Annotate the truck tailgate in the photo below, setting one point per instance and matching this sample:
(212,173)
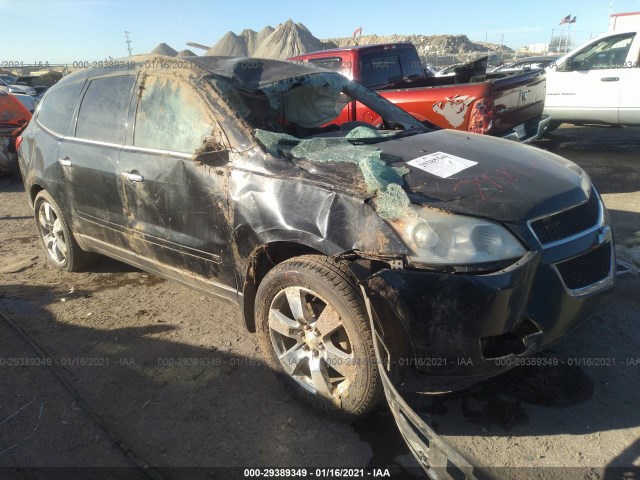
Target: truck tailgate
(517,99)
(446,106)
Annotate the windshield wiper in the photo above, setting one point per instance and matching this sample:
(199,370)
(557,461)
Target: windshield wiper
(409,132)
(403,133)
(368,140)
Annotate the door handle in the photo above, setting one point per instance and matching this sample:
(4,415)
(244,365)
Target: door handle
(133,177)
(65,162)
(609,79)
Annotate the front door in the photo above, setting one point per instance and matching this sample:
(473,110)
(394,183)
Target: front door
(588,86)
(176,204)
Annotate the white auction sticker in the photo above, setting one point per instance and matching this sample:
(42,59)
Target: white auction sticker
(441,164)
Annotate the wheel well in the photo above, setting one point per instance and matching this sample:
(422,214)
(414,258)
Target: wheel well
(263,259)
(35,189)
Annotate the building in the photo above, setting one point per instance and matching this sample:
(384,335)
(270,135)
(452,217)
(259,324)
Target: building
(624,21)
(538,48)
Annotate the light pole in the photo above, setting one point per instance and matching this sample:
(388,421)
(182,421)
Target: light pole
(126,35)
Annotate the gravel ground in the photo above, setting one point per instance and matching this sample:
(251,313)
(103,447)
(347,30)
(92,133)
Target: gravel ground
(115,337)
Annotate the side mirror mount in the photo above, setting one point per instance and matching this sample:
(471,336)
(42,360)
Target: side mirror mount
(213,158)
(212,152)
(568,65)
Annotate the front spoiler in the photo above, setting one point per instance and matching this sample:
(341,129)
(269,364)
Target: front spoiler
(438,459)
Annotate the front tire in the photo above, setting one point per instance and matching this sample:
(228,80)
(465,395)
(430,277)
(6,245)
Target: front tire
(63,252)
(314,330)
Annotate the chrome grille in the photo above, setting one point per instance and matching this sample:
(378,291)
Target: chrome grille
(568,222)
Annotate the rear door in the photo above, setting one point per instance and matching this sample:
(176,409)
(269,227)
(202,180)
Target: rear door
(176,205)
(89,157)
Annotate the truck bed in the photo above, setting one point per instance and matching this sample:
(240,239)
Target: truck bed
(508,106)
(514,100)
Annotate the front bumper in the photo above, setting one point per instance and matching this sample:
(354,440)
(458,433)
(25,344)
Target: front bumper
(529,131)
(451,330)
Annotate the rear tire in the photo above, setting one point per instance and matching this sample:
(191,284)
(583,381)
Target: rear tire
(63,252)
(314,331)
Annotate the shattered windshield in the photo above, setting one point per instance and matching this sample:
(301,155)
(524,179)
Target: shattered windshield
(316,105)
(307,118)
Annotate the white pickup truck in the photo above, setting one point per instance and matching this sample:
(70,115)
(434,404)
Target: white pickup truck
(598,82)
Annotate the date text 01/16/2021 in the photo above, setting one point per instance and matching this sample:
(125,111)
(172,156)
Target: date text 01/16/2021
(317,472)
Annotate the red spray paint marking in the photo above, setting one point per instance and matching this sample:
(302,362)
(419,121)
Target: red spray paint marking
(497,180)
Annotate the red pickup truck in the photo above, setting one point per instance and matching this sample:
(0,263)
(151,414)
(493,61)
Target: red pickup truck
(509,106)
(13,117)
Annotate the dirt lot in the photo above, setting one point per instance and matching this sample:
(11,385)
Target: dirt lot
(118,339)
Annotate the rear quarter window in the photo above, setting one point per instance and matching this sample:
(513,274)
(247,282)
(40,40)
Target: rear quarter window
(410,63)
(102,111)
(57,107)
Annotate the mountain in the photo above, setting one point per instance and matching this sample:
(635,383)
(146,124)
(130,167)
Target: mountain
(264,33)
(186,53)
(250,40)
(425,44)
(288,40)
(164,49)
(230,45)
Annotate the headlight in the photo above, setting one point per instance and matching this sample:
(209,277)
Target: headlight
(438,238)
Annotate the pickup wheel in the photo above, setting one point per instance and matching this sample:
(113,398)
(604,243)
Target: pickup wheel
(63,252)
(314,331)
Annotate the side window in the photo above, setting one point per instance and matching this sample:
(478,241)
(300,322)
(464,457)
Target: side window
(103,108)
(410,63)
(380,68)
(608,53)
(333,63)
(171,116)
(56,108)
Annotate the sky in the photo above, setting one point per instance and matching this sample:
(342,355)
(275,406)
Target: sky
(64,31)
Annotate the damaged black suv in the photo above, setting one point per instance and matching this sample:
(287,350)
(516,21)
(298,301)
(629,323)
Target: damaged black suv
(253,181)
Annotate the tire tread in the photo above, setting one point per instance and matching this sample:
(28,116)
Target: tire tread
(77,259)
(340,280)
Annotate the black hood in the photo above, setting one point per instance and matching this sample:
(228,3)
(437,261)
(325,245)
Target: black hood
(511,182)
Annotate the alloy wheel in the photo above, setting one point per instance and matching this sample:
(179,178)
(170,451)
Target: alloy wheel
(311,342)
(52,233)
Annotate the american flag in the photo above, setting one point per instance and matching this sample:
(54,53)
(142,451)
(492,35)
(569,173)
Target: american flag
(566,19)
